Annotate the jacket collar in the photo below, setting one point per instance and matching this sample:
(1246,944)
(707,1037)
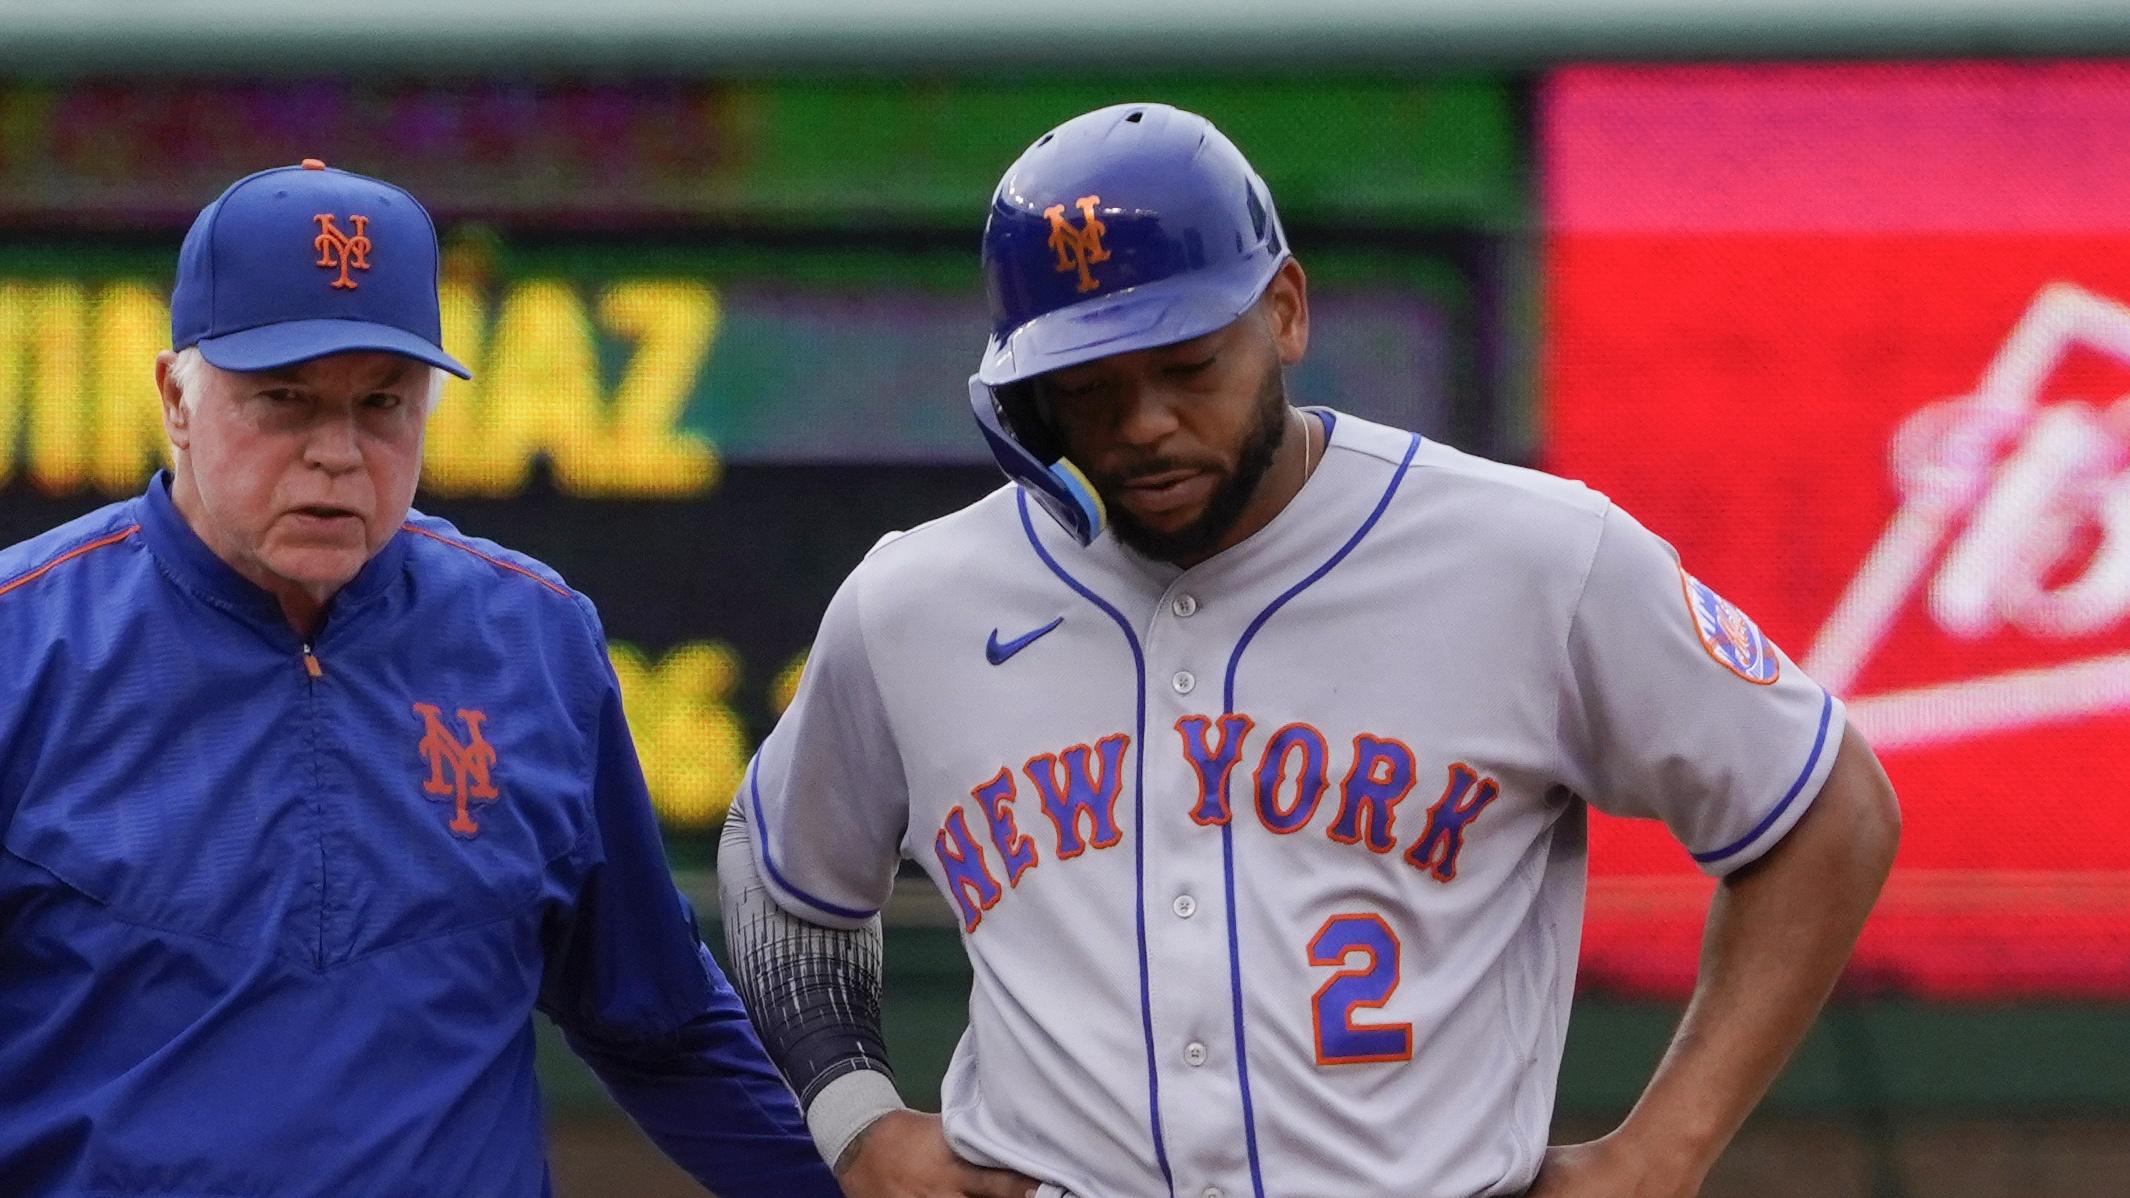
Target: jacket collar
(196,567)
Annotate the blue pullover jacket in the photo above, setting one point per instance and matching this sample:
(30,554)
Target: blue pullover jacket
(274,917)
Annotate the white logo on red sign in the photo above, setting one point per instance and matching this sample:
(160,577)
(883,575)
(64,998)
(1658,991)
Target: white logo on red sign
(2015,514)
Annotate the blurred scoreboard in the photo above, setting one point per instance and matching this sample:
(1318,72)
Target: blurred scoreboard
(720,334)
(1856,340)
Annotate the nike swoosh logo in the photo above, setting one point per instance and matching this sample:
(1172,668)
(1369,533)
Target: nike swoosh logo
(997,654)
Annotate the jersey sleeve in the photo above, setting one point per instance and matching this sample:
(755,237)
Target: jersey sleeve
(827,796)
(1676,707)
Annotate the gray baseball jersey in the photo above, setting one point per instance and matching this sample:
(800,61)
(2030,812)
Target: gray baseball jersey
(1271,870)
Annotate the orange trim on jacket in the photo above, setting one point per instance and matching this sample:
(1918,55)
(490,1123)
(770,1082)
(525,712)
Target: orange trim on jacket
(493,561)
(69,555)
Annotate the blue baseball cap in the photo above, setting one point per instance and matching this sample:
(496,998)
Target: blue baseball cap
(298,262)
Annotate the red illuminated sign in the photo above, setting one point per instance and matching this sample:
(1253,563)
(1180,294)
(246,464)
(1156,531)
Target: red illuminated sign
(1856,340)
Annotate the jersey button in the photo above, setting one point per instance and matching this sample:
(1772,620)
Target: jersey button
(1185,606)
(1186,906)
(1183,682)
(1194,1054)
(1212,1192)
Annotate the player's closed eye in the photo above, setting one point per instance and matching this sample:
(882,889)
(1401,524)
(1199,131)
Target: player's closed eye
(1059,391)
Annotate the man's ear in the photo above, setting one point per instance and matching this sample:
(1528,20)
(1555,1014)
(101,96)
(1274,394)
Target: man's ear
(177,419)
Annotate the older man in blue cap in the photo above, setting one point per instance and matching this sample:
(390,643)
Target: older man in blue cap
(308,801)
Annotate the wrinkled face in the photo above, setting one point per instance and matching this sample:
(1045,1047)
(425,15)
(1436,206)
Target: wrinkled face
(301,474)
(1177,439)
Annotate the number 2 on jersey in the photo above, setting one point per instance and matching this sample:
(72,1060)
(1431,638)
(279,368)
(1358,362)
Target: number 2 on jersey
(1339,1040)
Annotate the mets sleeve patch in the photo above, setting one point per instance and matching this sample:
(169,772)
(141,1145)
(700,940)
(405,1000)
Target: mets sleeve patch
(1730,637)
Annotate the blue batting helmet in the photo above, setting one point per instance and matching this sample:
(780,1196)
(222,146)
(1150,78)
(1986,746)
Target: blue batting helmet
(1130,227)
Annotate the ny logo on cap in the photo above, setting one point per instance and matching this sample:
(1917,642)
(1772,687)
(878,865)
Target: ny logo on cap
(1078,248)
(336,248)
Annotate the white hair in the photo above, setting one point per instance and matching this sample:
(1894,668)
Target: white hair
(189,372)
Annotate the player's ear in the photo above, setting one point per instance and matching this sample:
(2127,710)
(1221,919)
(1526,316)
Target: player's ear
(1286,308)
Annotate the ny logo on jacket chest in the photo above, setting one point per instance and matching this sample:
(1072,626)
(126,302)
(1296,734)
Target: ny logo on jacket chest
(458,769)
(1076,789)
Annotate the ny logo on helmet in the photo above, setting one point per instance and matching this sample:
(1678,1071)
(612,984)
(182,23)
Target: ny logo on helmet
(1082,247)
(336,248)
(468,762)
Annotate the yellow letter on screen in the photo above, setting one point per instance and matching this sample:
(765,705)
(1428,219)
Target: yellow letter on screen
(648,452)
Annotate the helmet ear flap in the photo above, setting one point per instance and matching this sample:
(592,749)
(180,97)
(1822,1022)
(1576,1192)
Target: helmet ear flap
(1053,482)
(1024,418)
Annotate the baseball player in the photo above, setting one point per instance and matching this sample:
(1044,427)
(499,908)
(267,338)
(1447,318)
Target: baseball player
(308,801)
(1252,745)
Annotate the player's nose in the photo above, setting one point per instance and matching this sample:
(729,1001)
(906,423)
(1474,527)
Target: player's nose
(1144,417)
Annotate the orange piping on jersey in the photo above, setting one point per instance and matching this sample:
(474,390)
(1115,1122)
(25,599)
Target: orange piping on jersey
(69,555)
(493,561)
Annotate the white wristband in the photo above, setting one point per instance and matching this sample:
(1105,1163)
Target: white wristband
(846,1107)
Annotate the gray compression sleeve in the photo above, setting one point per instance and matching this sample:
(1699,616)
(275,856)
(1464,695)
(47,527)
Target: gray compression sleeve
(813,992)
